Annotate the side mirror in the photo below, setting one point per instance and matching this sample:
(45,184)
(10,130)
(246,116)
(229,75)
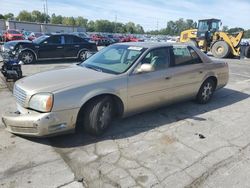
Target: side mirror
(145,68)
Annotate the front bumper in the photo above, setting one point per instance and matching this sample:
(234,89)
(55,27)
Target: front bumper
(32,123)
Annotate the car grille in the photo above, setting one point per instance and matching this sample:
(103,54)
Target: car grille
(20,95)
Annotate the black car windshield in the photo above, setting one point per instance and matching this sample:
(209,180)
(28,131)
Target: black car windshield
(40,39)
(114,59)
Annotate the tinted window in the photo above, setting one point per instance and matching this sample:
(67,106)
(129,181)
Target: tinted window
(54,40)
(68,39)
(159,58)
(77,39)
(185,56)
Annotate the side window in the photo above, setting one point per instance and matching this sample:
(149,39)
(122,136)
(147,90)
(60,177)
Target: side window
(68,39)
(185,56)
(132,55)
(195,56)
(53,40)
(159,58)
(77,40)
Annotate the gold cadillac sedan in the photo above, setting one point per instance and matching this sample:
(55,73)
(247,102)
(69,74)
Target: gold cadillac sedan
(120,80)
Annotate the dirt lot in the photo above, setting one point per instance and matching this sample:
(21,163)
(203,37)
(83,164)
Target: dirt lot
(183,145)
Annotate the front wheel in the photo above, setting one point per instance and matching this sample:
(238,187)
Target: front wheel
(206,92)
(27,57)
(83,55)
(220,49)
(98,115)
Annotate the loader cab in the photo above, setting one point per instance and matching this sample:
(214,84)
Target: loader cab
(206,28)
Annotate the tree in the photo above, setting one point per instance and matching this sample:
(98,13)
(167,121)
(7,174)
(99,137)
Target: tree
(69,21)
(225,28)
(104,26)
(56,19)
(235,30)
(247,34)
(91,26)
(139,29)
(82,22)
(9,16)
(37,16)
(24,16)
(130,27)
(2,16)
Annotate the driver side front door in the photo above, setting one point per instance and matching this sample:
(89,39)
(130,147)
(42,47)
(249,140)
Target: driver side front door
(51,48)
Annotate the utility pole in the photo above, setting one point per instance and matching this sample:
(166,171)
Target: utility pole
(157,25)
(115,23)
(44,11)
(47,12)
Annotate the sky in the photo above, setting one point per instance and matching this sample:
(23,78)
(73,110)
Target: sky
(151,14)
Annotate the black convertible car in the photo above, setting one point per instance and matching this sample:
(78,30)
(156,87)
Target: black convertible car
(54,46)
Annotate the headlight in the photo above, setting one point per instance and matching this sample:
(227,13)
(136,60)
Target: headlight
(11,47)
(41,102)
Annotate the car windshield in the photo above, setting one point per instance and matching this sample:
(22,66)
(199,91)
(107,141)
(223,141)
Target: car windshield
(13,32)
(114,59)
(40,39)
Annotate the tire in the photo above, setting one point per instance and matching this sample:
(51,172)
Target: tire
(98,115)
(220,49)
(206,92)
(247,52)
(27,57)
(82,55)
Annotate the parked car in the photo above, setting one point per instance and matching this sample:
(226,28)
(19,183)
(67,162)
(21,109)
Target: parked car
(34,35)
(26,34)
(12,34)
(54,46)
(101,40)
(120,80)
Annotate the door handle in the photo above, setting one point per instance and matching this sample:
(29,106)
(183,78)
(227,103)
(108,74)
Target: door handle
(200,72)
(77,46)
(168,78)
(59,47)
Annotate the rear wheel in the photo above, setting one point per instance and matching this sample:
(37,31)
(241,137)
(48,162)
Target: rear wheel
(27,57)
(220,49)
(206,92)
(98,115)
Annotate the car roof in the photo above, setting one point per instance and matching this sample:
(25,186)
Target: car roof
(152,44)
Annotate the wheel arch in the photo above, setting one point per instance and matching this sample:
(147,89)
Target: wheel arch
(212,77)
(118,104)
(32,51)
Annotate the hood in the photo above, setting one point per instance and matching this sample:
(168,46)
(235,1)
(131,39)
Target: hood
(54,80)
(15,42)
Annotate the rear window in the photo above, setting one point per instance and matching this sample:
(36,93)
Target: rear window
(185,56)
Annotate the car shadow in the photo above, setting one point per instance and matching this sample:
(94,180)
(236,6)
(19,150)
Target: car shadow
(131,126)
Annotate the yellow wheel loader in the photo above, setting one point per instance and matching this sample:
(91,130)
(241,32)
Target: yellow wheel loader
(208,38)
